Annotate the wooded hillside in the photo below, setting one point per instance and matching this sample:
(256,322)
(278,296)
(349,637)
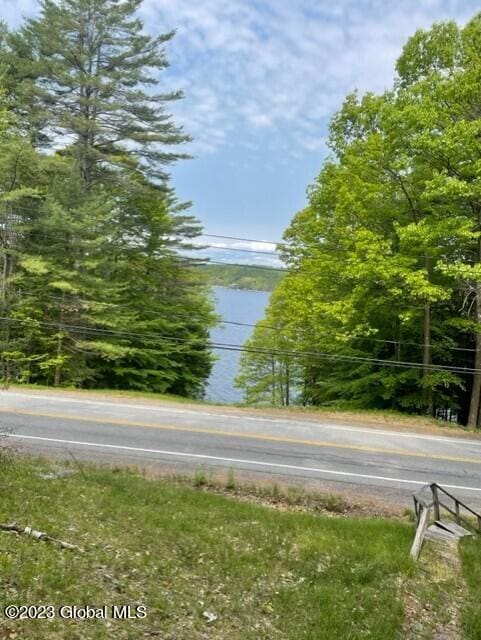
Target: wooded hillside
(239,276)
(381,307)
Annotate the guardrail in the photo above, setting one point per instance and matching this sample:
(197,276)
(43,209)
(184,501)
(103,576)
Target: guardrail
(436,500)
(436,503)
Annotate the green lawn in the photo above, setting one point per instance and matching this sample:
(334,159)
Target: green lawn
(182,551)
(471,559)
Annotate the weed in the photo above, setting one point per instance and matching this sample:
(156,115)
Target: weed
(230,484)
(200,478)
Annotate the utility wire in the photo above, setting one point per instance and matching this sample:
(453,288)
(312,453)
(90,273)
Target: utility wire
(242,348)
(302,246)
(270,242)
(175,314)
(188,261)
(249,266)
(201,247)
(177,244)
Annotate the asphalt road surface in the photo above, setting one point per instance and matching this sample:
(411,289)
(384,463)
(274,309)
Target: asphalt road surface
(312,451)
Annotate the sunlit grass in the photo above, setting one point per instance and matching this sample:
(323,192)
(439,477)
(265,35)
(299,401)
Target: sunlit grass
(182,551)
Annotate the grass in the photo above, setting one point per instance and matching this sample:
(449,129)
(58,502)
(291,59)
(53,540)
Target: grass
(183,551)
(471,561)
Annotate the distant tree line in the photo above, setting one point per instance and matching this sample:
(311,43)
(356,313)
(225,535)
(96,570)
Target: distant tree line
(238,276)
(381,307)
(93,289)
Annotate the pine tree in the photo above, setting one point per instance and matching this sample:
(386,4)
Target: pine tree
(96,73)
(96,290)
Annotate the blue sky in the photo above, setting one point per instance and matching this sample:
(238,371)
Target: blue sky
(262,79)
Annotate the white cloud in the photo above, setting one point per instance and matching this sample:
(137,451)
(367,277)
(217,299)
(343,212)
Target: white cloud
(276,67)
(272,65)
(240,251)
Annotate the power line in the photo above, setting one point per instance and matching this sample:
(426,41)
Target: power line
(201,247)
(205,261)
(414,344)
(257,350)
(345,358)
(177,244)
(270,242)
(199,261)
(244,266)
(100,331)
(238,323)
(304,245)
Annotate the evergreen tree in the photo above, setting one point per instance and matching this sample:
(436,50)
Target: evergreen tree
(96,74)
(95,290)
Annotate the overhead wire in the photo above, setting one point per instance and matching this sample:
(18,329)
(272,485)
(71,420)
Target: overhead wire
(175,314)
(290,246)
(242,348)
(203,262)
(284,244)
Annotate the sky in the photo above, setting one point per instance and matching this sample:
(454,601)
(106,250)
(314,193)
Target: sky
(262,78)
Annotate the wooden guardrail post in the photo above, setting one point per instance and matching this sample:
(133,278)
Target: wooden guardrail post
(420,531)
(437,513)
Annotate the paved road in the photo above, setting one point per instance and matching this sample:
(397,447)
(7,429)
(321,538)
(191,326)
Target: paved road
(310,450)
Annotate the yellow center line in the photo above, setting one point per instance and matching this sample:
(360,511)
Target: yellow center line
(248,436)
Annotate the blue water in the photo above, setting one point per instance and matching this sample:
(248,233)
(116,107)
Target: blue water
(239,306)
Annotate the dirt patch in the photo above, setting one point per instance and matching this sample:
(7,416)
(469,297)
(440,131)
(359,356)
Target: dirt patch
(440,575)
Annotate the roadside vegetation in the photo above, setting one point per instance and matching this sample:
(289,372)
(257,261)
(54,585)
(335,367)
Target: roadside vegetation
(108,393)
(96,289)
(380,307)
(471,559)
(204,565)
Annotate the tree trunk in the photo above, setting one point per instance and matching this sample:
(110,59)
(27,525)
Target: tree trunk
(281,386)
(58,367)
(7,272)
(427,358)
(288,390)
(427,349)
(397,356)
(476,389)
(273,383)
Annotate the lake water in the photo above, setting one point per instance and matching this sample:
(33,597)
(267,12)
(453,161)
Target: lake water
(239,306)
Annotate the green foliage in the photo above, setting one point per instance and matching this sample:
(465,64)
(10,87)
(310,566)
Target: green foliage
(93,65)
(268,374)
(303,575)
(385,259)
(93,290)
(242,277)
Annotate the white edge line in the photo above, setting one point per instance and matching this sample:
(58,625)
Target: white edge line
(238,460)
(286,422)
